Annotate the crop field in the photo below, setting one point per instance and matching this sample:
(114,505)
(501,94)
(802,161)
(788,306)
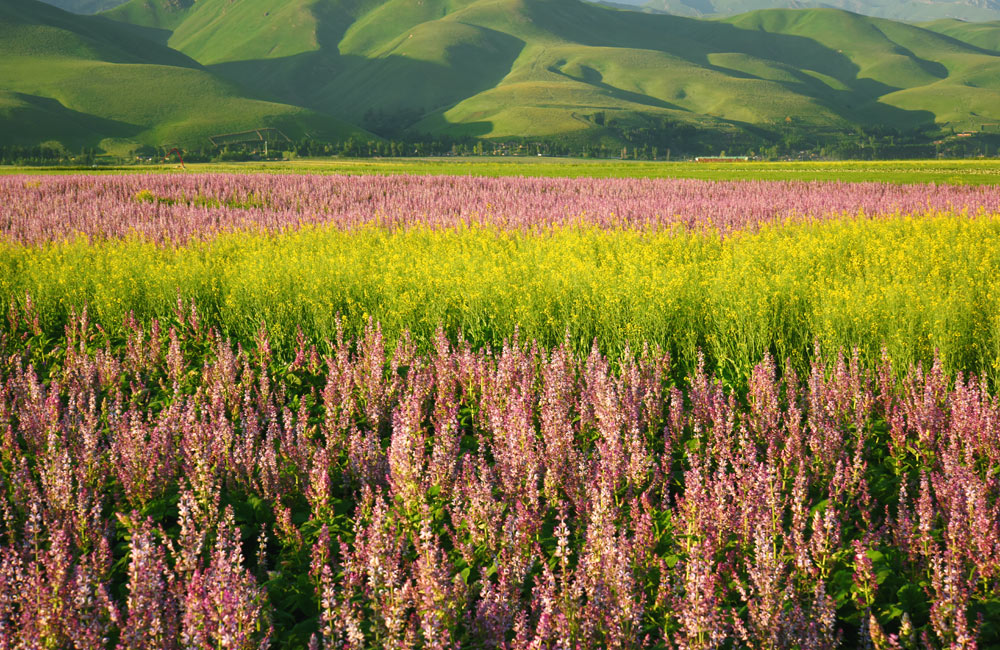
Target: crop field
(950,172)
(405,411)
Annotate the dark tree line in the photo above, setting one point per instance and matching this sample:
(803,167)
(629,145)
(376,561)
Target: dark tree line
(646,138)
(44,155)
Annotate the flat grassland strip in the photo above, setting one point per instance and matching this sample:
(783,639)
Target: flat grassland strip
(954,172)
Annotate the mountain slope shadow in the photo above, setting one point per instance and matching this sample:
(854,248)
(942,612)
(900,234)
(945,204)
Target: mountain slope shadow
(593,77)
(29,119)
(694,40)
(433,68)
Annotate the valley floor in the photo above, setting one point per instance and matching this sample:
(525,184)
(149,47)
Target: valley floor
(952,172)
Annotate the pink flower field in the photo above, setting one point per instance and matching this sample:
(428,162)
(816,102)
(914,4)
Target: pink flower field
(179,208)
(186,478)
(182,492)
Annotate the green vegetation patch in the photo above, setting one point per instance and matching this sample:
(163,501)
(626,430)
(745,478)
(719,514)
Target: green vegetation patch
(951,172)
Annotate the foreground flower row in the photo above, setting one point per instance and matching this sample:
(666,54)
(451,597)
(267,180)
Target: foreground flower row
(170,490)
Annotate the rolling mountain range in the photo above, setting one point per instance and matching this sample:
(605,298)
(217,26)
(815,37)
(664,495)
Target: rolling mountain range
(176,71)
(904,10)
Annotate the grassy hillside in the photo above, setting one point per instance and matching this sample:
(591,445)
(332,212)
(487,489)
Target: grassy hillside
(30,119)
(905,10)
(985,35)
(90,81)
(500,68)
(85,6)
(899,65)
(492,68)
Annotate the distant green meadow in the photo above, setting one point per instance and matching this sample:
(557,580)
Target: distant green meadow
(951,172)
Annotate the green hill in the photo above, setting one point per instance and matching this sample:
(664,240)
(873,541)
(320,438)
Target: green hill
(178,70)
(85,6)
(91,81)
(985,35)
(500,68)
(905,10)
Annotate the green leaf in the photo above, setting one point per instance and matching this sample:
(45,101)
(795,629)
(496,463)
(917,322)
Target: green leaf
(819,507)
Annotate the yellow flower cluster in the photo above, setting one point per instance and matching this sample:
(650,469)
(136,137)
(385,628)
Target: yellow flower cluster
(909,284)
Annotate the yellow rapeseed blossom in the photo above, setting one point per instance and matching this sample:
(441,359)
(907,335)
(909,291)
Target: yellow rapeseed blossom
(908,284)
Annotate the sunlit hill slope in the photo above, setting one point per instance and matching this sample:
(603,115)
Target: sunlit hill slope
(490,68)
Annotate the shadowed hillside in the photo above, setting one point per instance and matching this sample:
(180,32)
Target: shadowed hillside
(500,68)
(85,6)
(161,71)
(91,81)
